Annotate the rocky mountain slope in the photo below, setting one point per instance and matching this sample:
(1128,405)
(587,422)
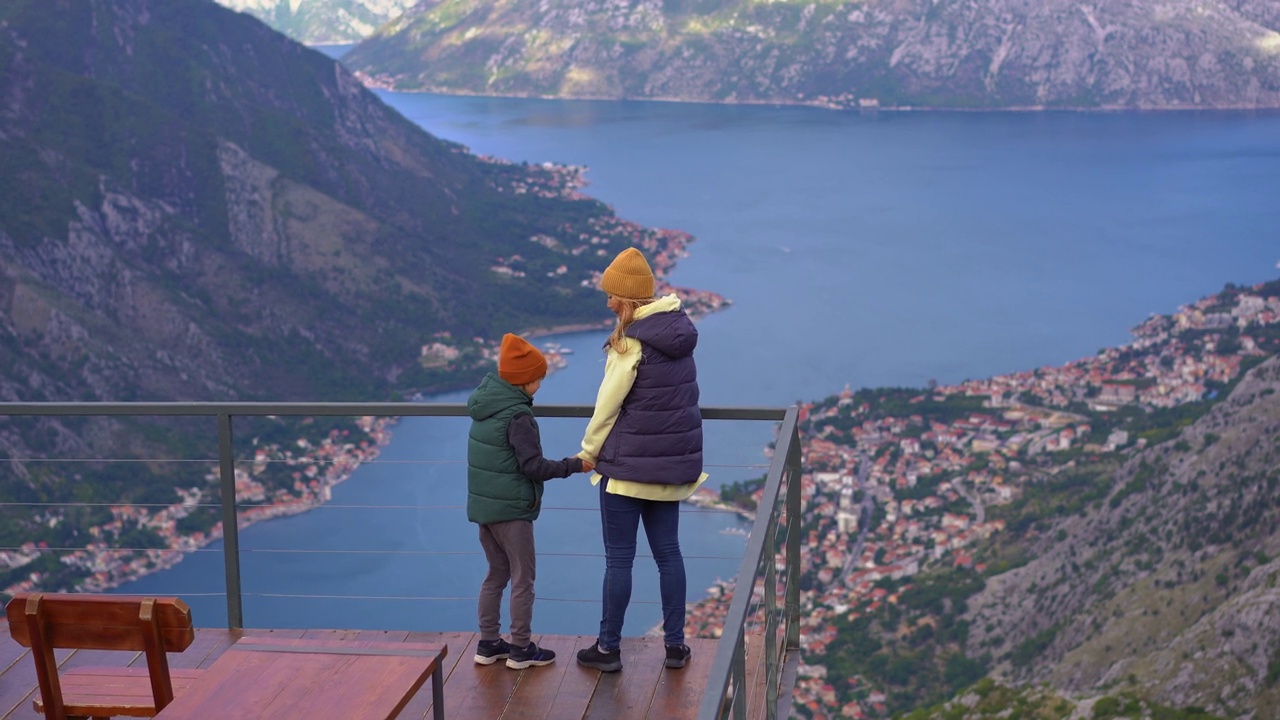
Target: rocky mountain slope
(194,208)
(323,22)
(1168,588)
(886,53)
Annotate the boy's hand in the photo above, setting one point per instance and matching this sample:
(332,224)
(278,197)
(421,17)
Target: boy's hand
(587,466)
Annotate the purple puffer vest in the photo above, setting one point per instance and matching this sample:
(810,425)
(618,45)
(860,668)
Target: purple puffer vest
(658,435)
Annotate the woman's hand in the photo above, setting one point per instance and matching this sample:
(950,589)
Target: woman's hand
(587,466)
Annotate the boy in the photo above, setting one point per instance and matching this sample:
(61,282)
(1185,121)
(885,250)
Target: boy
(505,472)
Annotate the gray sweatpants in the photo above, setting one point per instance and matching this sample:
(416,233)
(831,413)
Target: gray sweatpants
(508,546)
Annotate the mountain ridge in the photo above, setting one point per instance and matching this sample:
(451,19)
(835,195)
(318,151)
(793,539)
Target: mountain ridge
(964,54)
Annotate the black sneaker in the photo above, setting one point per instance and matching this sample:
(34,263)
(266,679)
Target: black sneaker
(528,656)
(677,655)
(594,657)
(489,652)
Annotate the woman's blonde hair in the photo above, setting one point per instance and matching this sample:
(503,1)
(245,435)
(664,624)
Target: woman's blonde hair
(618,338)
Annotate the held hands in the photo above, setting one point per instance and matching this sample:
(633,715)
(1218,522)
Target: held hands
(587,466)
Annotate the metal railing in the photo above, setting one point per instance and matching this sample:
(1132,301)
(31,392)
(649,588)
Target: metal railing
(761,632)
(734,682)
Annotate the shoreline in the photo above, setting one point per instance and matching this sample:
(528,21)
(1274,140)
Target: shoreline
(387,86)
(131,564)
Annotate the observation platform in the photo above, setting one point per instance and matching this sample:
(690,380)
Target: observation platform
(745,673)
(563,690)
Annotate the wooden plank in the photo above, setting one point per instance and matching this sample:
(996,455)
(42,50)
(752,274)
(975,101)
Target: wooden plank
(14,692)
(101,659)
(679,692)
(627,694)
(384,683)
(386,636)
(18,688)
(535,695)
(209,644)
(105,622)
(573,697)
(461,646)
(114,687)
(478,691)
(325,646)
(259,693)
(10,651)
(755,672)
(310,677)
(420,705)
(259,633)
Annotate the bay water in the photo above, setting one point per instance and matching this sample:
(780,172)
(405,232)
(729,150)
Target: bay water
(885,249)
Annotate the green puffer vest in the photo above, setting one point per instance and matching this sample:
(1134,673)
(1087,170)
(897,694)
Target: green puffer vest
(496,491)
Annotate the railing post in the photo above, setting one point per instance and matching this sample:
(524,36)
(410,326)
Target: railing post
(793,541)
(771,648)
(230,523)
(740,690)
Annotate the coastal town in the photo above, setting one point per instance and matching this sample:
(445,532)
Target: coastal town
(889,495)
(604,236)
(312,469)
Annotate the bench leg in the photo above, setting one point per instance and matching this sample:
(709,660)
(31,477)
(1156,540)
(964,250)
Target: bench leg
(437,693)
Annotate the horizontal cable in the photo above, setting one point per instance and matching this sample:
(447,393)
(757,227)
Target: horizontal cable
(336,551)
(105,504)
(150,461)
(302,460)
(286,551)
(326,506)
(331,409)
(442,598)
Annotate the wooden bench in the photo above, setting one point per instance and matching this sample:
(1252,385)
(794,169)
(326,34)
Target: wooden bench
(45,622)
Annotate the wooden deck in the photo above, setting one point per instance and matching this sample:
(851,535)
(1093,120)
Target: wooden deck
(561,691)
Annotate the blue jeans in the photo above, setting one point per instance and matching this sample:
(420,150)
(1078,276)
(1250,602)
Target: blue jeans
(620,519)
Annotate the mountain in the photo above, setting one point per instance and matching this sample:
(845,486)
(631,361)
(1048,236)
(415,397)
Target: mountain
(1168,588)
(323,22)
(195,208)
(1155,594)
(863,53)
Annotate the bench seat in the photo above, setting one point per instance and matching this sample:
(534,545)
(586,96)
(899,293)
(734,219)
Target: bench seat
(111,692)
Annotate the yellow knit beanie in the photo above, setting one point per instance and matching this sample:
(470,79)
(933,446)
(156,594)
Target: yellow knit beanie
(628,276)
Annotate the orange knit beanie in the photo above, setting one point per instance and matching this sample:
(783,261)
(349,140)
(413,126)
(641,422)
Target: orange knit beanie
(520,363)
(628,276)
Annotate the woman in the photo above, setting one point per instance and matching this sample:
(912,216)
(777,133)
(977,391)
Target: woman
(645,440)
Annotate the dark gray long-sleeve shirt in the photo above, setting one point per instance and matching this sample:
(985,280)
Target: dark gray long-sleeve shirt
(523,435)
